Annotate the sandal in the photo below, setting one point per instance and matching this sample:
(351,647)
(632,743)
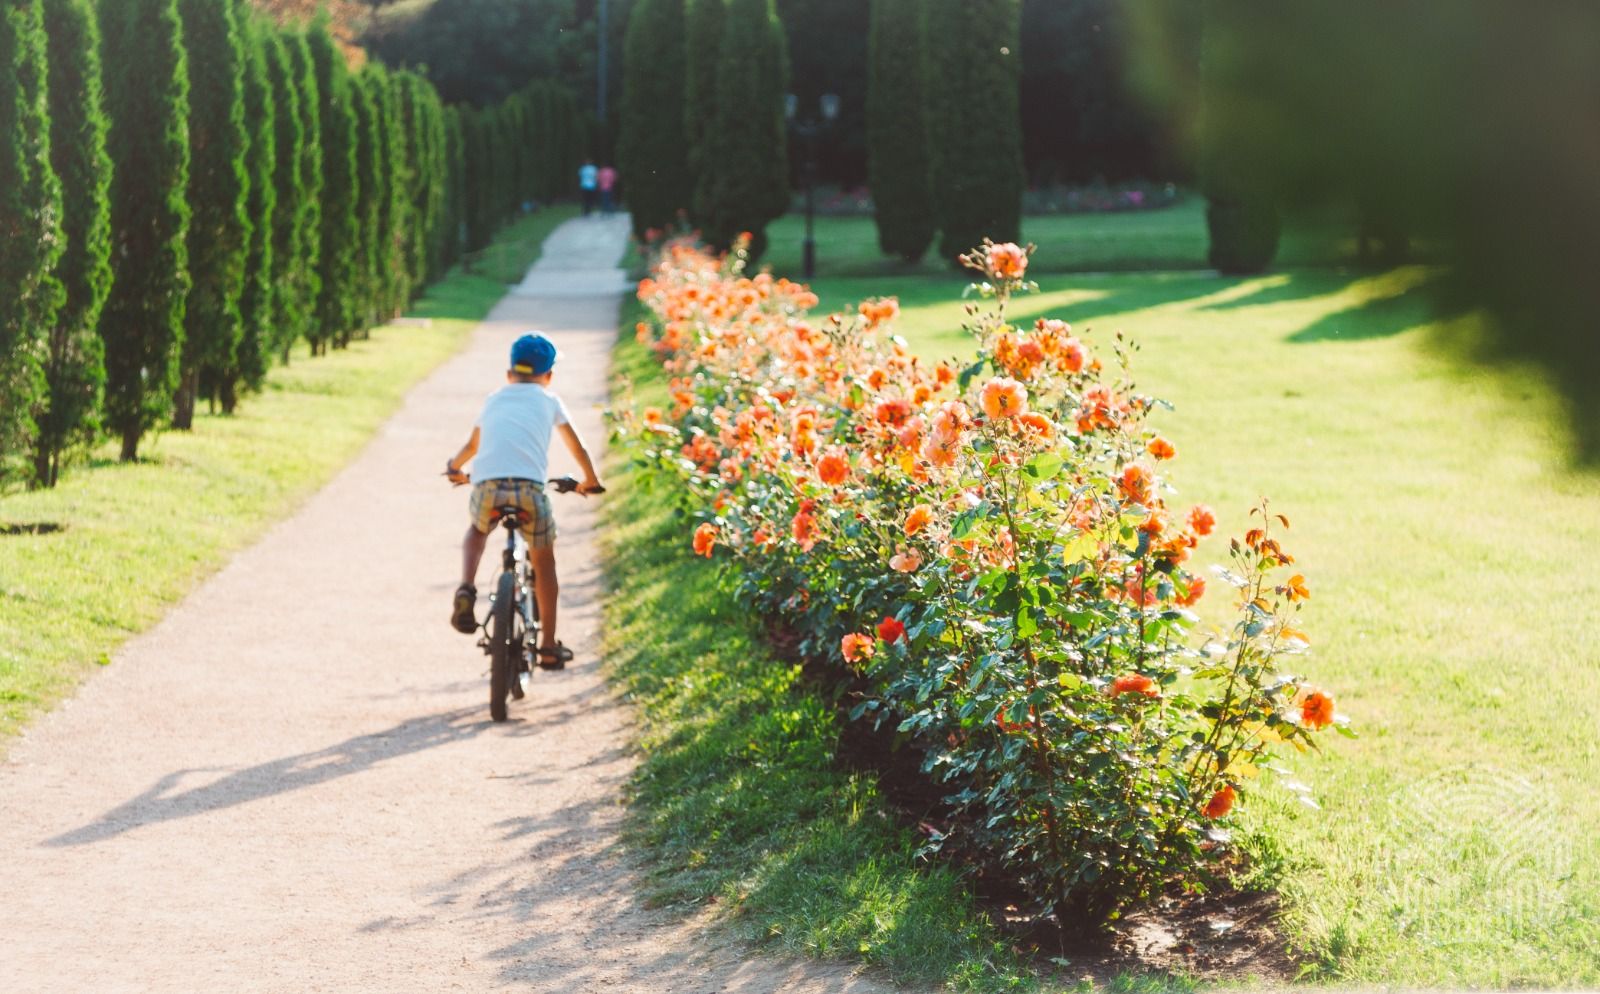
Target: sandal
(462,618)
(554,657)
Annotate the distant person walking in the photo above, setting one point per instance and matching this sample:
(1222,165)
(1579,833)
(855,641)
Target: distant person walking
(608,186)
(588,182)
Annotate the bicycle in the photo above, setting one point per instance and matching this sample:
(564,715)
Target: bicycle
(511,628)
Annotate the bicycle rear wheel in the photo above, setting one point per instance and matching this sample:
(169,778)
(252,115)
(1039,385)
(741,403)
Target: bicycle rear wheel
(503,652)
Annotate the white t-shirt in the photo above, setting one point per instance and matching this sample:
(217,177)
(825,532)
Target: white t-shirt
(514,433)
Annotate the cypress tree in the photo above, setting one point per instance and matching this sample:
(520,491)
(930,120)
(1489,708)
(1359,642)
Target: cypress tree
(433,117)
(897,130)
(475,146)
(652,149)
(219,227)
(703,46)
(288,297)
(341,232)
(456,190)
(393,286)
(307,271)
(257,303)
(547,157)
(750,153)
(75,368)
(368,276)
(972,71)
(1241,213)
(417,195)
(30,230)
(147,102)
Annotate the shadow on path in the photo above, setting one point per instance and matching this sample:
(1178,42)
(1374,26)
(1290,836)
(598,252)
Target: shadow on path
(163,801)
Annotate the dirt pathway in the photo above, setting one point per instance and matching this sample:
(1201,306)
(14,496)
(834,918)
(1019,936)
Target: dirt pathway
(291,784)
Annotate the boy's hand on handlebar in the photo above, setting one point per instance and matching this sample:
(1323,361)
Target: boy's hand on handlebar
(590,486)
(457,478)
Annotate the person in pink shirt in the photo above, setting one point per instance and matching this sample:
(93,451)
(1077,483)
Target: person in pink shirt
(608,184)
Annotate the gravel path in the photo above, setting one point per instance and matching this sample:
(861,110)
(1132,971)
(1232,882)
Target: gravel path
(291,784)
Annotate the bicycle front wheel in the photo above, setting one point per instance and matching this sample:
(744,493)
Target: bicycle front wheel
(503,652)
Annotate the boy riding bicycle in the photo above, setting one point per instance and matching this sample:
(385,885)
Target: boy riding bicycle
(510,446)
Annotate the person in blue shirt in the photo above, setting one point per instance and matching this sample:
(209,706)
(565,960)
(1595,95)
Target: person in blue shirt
(509,449)
(589,184)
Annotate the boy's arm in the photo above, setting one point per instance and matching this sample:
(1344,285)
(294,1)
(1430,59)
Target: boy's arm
(591,481)
(452,467)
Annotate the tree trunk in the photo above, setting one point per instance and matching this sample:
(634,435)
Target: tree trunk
(183,401)
(130,444)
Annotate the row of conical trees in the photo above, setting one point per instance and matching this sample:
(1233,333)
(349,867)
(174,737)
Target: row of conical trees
(188,189)
(702,130)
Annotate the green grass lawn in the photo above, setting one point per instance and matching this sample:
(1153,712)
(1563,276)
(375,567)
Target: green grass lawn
(1165,238)
(134,538)
(1446,538)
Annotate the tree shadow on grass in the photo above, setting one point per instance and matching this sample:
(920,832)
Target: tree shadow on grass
(1399,301)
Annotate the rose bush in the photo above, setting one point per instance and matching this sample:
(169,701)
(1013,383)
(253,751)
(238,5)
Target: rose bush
(991,551)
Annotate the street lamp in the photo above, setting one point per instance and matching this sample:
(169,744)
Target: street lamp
(809,129)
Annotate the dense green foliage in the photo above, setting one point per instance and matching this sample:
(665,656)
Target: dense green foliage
(702,45)
(652,148)
(897,130)
(219,227)
(290,211)
(195,189)
(748,152)
(30,229)
(247,365)
(147,101)
(974,132)
(1241,211)
(335,316)
(75,362)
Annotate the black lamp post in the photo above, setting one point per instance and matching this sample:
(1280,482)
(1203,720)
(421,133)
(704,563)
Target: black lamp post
(809,129)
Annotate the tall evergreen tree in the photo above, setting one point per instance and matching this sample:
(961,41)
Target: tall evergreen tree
(341,231)
(247,367)
(703,48)
(971,73)
(475,147)
(307,272)
(433,118)
(393,286)
(652,149)
(1235,164)
(219,227)
(30,230)
(897,130)
(750,150)
(455,188)
(413,117)
(147,102)
(369,185)
(289,135)
(75,369)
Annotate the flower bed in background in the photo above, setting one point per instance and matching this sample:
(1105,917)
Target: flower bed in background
(989,550)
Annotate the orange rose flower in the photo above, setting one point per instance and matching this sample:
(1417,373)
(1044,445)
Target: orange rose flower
(1004,397)
(804,530)
(857,648)
(1197,590)
(1161,448)
(833,468)
(918,519)
(905,561)
(1135,484)
(705,539)
(1221,802)
(1316,711)
(1038,424)
(891,630)
(1201,520)
(1133,683)
(893,412)
(1007,261)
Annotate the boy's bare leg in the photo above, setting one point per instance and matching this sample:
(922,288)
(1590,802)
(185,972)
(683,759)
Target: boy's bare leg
(471,555)
(545,587)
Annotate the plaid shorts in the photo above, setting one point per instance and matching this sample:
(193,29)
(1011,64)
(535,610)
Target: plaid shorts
(539,528)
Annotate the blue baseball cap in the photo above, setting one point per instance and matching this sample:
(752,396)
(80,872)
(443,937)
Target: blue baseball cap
(533,355)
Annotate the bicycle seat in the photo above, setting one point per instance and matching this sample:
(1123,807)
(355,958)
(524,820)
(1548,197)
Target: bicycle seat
(505,511)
